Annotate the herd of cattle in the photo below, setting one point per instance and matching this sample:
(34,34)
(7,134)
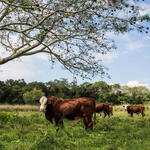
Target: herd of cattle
(56,109)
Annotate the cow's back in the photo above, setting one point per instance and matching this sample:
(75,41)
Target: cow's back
(135,109)
(102,107)
(88,104)
(69,109)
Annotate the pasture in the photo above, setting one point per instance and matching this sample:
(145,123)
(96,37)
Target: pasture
(24,128)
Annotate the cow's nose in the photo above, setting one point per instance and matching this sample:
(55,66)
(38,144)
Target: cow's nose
(42,109)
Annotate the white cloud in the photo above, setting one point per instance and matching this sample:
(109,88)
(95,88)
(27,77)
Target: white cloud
(15,70)
(131,44)
(134,46)
(23,68)
(134,83)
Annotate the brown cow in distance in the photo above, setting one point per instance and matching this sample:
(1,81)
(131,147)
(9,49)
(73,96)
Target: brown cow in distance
(135,109)
(110,111)
(103,107)
(57,108)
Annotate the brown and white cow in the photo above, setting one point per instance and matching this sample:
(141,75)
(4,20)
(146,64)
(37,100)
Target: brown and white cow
(135,109)
(103,107)
(57,108)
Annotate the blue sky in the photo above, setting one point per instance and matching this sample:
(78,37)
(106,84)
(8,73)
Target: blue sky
(128,65)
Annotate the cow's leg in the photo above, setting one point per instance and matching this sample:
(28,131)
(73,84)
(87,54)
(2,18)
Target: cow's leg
(105,114)
(58,122)
(90,123)
(108,113)
(143,114)
(49,118)
(111,113)
(100,113)
(61,123)
(131,114)
(85,122)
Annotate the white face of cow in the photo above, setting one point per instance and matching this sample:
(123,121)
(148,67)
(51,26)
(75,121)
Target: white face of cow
(125,107)
(43,102)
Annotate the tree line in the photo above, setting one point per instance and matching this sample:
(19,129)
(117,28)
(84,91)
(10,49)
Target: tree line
(20,92)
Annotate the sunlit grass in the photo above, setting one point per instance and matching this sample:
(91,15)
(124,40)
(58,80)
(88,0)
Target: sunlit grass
(21,130)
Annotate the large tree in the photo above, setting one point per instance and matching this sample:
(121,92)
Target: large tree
(72,32)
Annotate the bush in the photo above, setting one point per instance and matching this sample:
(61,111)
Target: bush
(30,97)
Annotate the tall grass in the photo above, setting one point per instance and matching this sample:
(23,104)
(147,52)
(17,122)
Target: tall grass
(31,131)
(10,108)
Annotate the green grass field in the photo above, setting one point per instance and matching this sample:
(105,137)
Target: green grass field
(29,130)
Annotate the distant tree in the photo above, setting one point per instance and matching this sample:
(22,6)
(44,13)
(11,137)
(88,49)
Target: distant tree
(84,89)
(136,95)
(60,88)
(11,82)
(75,90)
(14,91)
(38,85)
(71,32)
(115,88)
(30,97)
(4,92)
(20,92)
(99,90)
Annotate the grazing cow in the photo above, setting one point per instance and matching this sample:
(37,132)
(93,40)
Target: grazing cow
(57,108)
(135,109)
(110,111)
(103,107)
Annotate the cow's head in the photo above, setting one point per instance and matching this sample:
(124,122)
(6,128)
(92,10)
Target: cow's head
(125,107)
(43,103)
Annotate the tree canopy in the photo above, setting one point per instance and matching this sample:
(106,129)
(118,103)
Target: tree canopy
(71,32)
(20,92)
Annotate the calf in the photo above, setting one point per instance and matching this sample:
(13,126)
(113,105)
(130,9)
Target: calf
(135,109)
(57,108)
(103,107)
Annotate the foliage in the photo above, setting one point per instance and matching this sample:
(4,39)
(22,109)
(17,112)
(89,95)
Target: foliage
(19,92)
(30,97)
(11,91)
(38,85)
(71,32)
(99,90)
(59,88)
